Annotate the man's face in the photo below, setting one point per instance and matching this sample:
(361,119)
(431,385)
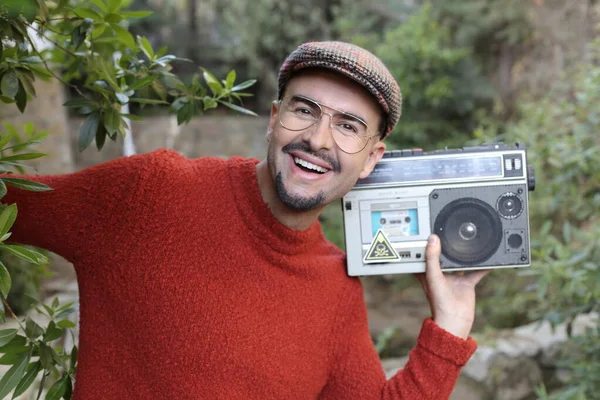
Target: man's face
(308,167)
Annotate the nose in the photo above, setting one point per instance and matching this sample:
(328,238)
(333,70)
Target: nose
(320,135)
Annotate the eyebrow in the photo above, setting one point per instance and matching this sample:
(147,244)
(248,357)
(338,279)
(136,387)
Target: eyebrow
(345,113)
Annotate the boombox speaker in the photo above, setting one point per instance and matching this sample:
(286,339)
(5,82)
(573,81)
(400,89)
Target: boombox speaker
(481,226)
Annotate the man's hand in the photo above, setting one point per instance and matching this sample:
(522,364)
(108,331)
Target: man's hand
(451,296)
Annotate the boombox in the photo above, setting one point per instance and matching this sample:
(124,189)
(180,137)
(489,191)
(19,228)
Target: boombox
(474,198)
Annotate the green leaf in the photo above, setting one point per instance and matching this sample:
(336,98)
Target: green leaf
(114,5)
(132,117)
(13,376)
(78,103)
(32,329)
(163,61)
(146,47)
(7,218)
(23,156)
(142,83)
(111,120)
(136,14)
(45,356)
(65,312)
(215,87)
(26,184)
(30,374)
(108,76)
(5,237)
(52,332)
(210,103)
(4,140)
(243,85)
(66,324)
(88,13)
(230,80)
(100,4)
(73,358)
(65,306)
(58,359)
(5,281)
(7,335)
(100,137)
(32,256)
(78,37)
(58,389)
(124,35)
(98,30)
(148,101)
(26,78)
(239,109)
(123,99)
(21,98)
(2,312)
(88,130)
(113,18)
(11,358)
(16,346)
(184,114)
(69,391)
(9,84)
(32,59)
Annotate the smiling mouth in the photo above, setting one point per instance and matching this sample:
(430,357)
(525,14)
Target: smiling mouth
(309,167)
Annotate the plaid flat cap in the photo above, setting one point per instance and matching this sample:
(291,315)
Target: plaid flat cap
(354,62)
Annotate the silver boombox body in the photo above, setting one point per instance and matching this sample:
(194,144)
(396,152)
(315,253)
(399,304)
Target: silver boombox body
(475,199)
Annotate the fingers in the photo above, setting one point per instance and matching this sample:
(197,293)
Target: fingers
(476,276)
(432,258)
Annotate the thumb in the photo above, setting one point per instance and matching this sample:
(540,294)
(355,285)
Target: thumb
(432,257)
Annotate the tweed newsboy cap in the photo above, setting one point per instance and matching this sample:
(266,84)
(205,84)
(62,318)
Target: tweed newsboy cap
(354,62)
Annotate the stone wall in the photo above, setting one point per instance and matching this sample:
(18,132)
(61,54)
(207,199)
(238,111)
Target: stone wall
(47,113)
(509,364)
(221,136)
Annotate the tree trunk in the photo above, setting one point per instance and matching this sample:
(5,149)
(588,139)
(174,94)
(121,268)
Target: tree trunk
(193,29)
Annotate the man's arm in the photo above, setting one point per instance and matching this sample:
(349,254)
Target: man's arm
(75,213)
(434,363)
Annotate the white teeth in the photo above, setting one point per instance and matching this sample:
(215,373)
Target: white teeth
(308,165)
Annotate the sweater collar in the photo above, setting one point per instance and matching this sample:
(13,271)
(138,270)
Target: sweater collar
(257,215)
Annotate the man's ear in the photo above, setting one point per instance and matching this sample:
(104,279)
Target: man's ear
(272,120)
(375,155)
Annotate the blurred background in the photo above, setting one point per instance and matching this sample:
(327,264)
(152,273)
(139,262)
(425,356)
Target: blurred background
(471,71)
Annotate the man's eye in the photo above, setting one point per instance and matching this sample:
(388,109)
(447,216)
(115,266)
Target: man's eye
(348,127)
(303,111)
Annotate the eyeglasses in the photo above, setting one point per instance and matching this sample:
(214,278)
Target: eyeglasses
(350,133)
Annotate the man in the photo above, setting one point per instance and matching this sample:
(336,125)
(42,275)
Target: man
(211,279)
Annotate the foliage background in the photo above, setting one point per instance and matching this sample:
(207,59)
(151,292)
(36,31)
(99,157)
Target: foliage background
(471,71)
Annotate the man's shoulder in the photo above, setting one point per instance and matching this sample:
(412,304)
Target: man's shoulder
(169,161)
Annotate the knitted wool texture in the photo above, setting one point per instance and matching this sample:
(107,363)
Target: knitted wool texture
(354,62)
(191,289)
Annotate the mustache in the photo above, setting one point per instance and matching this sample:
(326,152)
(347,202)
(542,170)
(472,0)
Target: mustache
(305,148)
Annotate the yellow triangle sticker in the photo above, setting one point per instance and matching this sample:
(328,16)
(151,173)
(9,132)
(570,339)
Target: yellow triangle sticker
(381,249)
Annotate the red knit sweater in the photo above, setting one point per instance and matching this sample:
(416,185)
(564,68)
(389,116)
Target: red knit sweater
(191,289)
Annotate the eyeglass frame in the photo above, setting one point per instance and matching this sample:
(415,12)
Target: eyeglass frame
(352,116)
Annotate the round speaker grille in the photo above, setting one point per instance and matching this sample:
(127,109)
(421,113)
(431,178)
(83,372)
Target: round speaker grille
(470,231)
(509,205)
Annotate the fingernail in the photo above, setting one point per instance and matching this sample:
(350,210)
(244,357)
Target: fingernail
(432,239)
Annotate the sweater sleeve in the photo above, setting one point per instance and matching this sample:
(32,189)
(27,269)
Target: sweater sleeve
(79,210)
(431,372)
